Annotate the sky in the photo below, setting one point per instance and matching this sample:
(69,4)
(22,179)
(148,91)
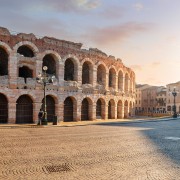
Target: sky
(144,34)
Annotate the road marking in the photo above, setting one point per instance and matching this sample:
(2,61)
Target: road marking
(173,138)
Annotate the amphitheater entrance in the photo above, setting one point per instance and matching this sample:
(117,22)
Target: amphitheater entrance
(119,110)
(126,109)
(3,109)
(24,110)
(50,108)
(85,110)
(68,110)
(111,109)
(100,109)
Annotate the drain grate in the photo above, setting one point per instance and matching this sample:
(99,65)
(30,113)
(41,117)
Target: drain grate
(58,168)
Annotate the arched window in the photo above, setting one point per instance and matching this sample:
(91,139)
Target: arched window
(25,72)
(3,62)
(85,73)
(25,51)
(101,75)
(69,70)
(50,62)
(120,80)
(126,83)
(112,78)
(119,110)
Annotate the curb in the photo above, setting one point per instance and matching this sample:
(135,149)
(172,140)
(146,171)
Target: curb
(93,123)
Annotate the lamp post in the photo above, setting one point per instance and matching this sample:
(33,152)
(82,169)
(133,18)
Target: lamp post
(45,79)
(174,93)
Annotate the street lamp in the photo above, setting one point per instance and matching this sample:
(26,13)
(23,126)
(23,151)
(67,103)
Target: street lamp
(174,93)
(45,79)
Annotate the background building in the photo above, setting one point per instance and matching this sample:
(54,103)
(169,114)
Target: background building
(150,99)
(91,85)
(170,97)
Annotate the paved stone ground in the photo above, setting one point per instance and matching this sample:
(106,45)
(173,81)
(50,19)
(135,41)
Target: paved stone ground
(132,151)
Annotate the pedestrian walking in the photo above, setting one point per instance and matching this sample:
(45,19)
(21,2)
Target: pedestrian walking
(40,116)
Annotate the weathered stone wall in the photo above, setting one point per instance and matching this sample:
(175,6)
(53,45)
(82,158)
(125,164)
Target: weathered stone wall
(13,86)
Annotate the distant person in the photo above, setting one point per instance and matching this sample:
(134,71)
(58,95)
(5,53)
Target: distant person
(40,116)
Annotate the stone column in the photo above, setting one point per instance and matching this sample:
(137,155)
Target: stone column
(78,117)
(93,113)
(13,70)
(12,112)
(94,83)
(115,114)
(36,109)
(61,73)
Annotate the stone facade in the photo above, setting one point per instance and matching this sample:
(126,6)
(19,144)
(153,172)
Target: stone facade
(90,85)
(170,97)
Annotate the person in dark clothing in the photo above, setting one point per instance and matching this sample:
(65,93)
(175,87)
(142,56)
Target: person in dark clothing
(40,116)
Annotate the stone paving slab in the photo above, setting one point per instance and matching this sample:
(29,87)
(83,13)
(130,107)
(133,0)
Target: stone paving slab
(130,151)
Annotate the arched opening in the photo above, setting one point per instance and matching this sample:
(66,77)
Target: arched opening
(119,110)
(100,109)
(24,110)
(112,78)
(85,110)
(3,62)
(3,109)
(120,80)
(50,108)
(87,73)
(101,75)
(69,70)
(111,109)
(68,109)
(126,109)
(50,62)
(25,51)
(25,72)
(126,88)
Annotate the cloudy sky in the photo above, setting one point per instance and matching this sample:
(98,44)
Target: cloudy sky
(145,34)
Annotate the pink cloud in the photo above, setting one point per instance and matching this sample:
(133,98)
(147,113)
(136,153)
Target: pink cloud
(116,33)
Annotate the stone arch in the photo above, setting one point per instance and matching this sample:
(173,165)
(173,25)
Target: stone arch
(87,72)
(6,47)
(50,107)
(100,109)
(4,61)
(111,109)
(120,80)
(120,109)
(70,109)
(3,108)
(24,109)
(126,109)
(73,74)
(86,109)
(112,78)
(101,75)
(28,44)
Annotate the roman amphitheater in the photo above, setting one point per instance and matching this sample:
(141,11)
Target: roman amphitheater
(91,85)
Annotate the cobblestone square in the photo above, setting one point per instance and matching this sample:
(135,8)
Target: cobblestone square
(116,151)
